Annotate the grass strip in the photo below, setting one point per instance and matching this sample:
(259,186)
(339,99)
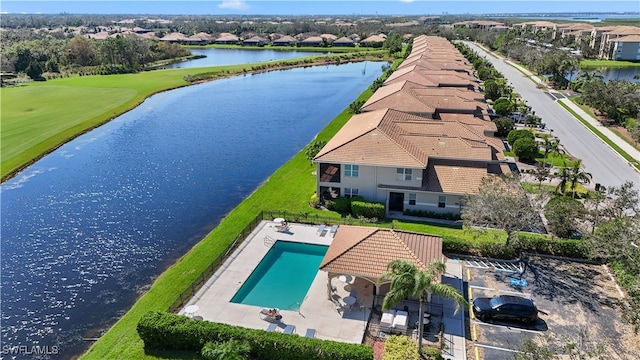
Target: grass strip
(613,145)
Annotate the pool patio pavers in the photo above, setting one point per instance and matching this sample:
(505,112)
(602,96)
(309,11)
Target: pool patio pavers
(316,310)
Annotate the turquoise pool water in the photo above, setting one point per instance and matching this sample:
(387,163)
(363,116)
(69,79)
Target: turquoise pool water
(283,277)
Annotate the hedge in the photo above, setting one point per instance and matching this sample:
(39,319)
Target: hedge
(527,242)
(161,330)
(369,210)
(400,348)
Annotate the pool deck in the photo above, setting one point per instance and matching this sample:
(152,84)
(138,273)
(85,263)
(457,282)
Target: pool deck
(316,311)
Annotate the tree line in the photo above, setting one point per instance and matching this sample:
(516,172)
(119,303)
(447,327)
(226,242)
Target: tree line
(56,57)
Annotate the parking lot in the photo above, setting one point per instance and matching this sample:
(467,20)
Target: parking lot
(571,297)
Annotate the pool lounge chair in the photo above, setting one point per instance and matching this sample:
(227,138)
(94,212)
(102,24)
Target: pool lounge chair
(270,314)
(333,230)
(290,329)
(400,321)
(272,327)
(387,320)
(311,333)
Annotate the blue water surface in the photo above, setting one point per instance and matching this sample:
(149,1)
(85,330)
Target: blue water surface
(87,229)
(283,277)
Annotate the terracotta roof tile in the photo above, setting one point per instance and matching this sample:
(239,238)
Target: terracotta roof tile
(363,251)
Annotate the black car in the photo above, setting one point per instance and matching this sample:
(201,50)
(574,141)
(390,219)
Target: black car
(505,307)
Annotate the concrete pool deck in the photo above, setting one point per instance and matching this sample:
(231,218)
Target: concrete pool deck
(316,310)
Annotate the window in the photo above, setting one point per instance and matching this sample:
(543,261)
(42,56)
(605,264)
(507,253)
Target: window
(412,199)
(442,201)
(352,170)
(349,192)
(403,174)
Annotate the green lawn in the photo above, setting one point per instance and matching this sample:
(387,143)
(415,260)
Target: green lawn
(585,64)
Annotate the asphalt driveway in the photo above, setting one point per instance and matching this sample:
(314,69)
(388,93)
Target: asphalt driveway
(571,296)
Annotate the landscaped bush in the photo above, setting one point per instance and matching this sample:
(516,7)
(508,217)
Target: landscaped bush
(432,214)
(432,353)
(340,204)
(543,244)
(518,134)
(397,347)
(526,149)
(504,125)
(527,242)
(162,330)
(563,214)
(369,210)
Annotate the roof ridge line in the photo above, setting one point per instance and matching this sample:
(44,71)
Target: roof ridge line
(403,244)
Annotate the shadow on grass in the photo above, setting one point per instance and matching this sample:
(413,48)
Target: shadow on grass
(173,354)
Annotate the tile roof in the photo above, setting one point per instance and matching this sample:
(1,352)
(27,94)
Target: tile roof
(454,177)
(628,38)
(366,251)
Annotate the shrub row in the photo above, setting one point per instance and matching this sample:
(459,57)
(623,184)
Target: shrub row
(368,209)
(432,214)
(527,242)
(162,330)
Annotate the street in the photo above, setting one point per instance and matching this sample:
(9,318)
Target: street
(606,166)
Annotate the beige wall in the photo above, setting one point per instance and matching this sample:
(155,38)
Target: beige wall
(370,177)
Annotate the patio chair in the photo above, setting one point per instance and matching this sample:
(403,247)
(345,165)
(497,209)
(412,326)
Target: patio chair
(270,314)
(272,327)
(311,333)
(290,329)
(333,230)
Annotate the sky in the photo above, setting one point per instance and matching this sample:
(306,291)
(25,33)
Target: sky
(314,7)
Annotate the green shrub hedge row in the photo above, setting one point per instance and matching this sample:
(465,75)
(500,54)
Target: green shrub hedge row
(369,210)
(161,330)
(432,214)
(527,242)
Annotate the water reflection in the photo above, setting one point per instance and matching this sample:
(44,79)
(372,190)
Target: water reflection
(86,229)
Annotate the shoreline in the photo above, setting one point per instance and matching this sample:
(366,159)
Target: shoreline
(204,77)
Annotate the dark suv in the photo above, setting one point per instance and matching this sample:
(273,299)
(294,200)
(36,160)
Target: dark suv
(505,307)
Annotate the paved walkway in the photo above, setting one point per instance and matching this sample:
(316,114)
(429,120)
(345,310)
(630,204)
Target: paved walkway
(613,137)
(454,327)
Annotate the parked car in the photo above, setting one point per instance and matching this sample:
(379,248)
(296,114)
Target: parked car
(505,307)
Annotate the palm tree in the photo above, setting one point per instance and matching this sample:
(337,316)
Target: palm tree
(409,281)
(564,175)
(576,175)
(550,147)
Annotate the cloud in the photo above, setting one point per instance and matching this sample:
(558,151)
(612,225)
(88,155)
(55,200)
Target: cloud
(407,1)
(234,5)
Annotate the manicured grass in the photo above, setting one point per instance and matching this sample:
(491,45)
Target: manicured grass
(604,138)
(607,63)
(40,116)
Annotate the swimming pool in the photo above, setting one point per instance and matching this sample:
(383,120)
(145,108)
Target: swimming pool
(283,277)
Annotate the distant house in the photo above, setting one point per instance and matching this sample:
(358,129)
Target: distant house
(226,38)
(373,41)
(329,37)
(626,48)
(312,41)
(343,41)
(174,37)
(255,41)
(203,37)
(286,40)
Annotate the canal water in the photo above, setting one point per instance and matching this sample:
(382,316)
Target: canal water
(88,228)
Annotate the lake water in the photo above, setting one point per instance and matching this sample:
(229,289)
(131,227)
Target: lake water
(218,57)
(87,229)
(611,73)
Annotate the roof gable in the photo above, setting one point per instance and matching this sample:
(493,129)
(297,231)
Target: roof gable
(364,251)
